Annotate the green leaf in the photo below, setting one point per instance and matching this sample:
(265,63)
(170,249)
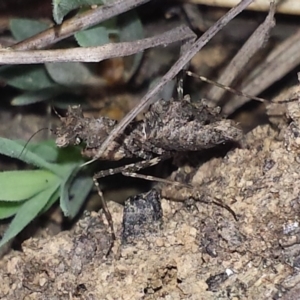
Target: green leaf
(22,29)
(74,74)
(97,35)
(8,209)
(14,149)
(27,212)
(65,204)
(51,201)
(36,96)
(48,151)
(63,7)
(79,190)
(22,185)
(131,29)
(26,77)
(72,192)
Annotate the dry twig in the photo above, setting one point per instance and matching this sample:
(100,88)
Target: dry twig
(284,6)
(94,54)
(278,63)
(237,64)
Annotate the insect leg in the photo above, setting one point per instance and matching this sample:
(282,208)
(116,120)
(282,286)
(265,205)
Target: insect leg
(154,178)
(132,168)
(105,209)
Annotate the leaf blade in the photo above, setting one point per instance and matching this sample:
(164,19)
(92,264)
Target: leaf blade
(63,7)
(131,28)
(8,209)
(27,77)
(22,185)
(22,29)
(64,190)
(14,149)
(79,188)
(27,212)
(97,35)
(74,75)
(36,96)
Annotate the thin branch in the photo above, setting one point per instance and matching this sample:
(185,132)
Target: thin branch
(94,54)
(237,64)
(78,22)
(175,69)
(284,6)
(284,58)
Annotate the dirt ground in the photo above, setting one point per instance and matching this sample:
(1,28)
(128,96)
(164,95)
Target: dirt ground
(196,250)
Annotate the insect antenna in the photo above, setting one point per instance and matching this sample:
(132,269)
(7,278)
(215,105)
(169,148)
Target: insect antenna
(234,91)
(32,136)
(38,131)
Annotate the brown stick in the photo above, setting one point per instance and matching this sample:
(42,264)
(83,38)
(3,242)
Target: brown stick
(94,54)
(237,64)
(284,58)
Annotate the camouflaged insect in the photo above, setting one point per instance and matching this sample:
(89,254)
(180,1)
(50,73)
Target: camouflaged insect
(168,127)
